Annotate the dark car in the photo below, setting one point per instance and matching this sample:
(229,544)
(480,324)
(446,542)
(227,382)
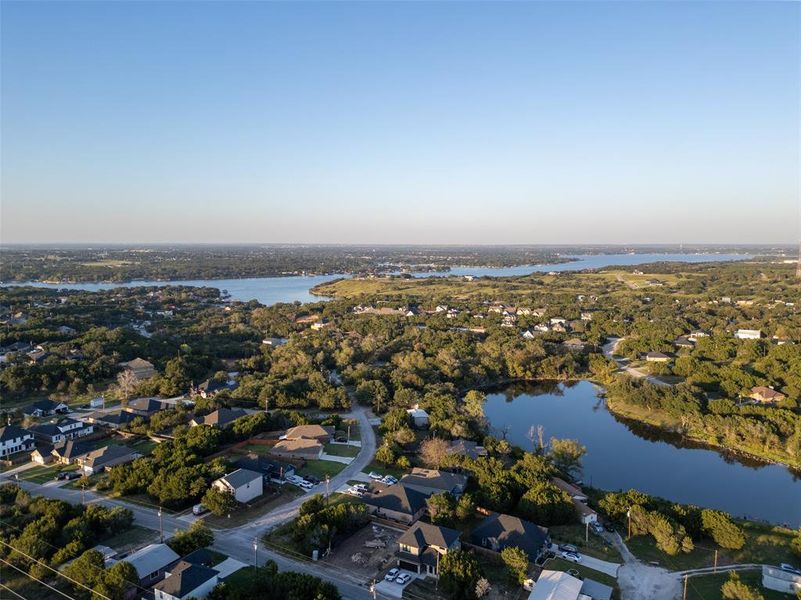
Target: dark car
(609,527)
(312,479)
(67,476)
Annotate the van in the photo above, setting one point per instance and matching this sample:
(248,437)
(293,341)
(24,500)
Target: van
(199,509)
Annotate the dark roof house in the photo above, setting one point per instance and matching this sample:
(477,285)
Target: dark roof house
(398,503)
(186,580)
(222,418)
(499,531)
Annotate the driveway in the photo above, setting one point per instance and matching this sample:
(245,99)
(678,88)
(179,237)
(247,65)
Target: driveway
(596,564)
(390,589)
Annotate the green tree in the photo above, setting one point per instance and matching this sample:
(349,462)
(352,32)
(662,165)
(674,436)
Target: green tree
(218,501)
(719,526)
(442,508)
(516,561)
(459,573)
(735,589)
(566,456)
(197,536)
(546,504)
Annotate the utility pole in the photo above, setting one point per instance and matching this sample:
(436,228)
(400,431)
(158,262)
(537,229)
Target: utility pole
(628,514)
(716,561)
(587,532)
(327,481)
(255,552)
(83,493)
(372,589)
(349,433)
(684,596)
(161,526)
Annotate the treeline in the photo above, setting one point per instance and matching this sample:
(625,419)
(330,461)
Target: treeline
(39,536)
(765,432)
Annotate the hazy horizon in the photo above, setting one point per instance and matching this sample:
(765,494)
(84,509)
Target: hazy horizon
(401,123)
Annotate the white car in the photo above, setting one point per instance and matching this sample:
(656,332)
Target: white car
(389,480)
(306,485)
(361,487)
(376,476)
(574,556)
(391,575)
(403,578)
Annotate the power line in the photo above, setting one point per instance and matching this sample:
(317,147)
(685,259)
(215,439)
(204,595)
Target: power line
(5,587)
(39,580)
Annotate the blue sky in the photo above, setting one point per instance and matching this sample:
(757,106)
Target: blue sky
(400,122)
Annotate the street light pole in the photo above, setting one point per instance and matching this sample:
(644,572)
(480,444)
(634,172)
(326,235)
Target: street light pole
(161,526)
(327,480)
(255,552)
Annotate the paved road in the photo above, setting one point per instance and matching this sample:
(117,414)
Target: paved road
(238,542)
(609,350)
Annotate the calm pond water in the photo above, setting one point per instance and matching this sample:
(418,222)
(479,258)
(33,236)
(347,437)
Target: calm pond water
(623,456)
(271,290)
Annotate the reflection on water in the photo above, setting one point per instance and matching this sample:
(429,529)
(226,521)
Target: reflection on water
(623,454)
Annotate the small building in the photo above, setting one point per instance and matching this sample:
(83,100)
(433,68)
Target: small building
(141,368)
(222,418)
(766,395)
(574,345)
(243,484)
(780,580)
(104,458)
(298,448)
(397,503)
(152,562)
(45,408)
(418,416)
(683,342)
(657,357)
(272,470)
(186,580)
(115,420)
(558,585)
(70,451)
(499,531)
(320,433)
(211,387)
(423,545)
(432,481)
(275,342)
(748,334)
(585,513)
(15,439)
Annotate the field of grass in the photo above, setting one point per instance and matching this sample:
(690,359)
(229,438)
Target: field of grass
(321,468)
(764,544)
(707,587)
(43,473)
(396,472)
(341,450)
(595,546)
(131,538)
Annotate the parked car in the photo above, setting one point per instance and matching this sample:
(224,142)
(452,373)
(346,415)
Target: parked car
(376,476)
(391,575)
(597,527)
(574,556)
(312,479)
(389,480)
(305,484)
(568,548)
(362,486)
(199,509)
(403,578)
(67,475)
(609,527)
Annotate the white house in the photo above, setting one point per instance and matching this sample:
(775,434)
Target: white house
(748,334)
(418,415)
(186,580)
(15,439)
(242,483)
(152,562)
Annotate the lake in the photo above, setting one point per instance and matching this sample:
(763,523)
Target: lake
(622,456)
(271,290)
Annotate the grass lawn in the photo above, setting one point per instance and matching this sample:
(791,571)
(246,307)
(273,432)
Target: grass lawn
(341,450)
(422,588)
(321,468)
(764,544)
(43,473)
(255,449)
(559,564)
(355,431)
(575,534)
(145,446)
(707,587)
(131,538)
(264,504)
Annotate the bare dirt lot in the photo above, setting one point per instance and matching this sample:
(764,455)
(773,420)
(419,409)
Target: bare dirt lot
(370,562)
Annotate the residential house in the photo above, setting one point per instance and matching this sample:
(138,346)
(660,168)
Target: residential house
(748,334)
(141,368)
(211,387)
(418,416)
(683,342)
(271,470)
(432,481)
(38,354)
(657,357)
(152,562)
(423,545)
(298,448)
(574,345)
(115,420)
(186,580)
(70,451)
(697,335)
(467,448)
(275,342)
(320,433)
(45,408)
(43,454)
(222,418)
(106,457)
(528,334)
(586,514)
(145,407)
(559,585)
(15,439)
(766,395)
(61,430)
(243,484)
(397,503)
(499,531)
